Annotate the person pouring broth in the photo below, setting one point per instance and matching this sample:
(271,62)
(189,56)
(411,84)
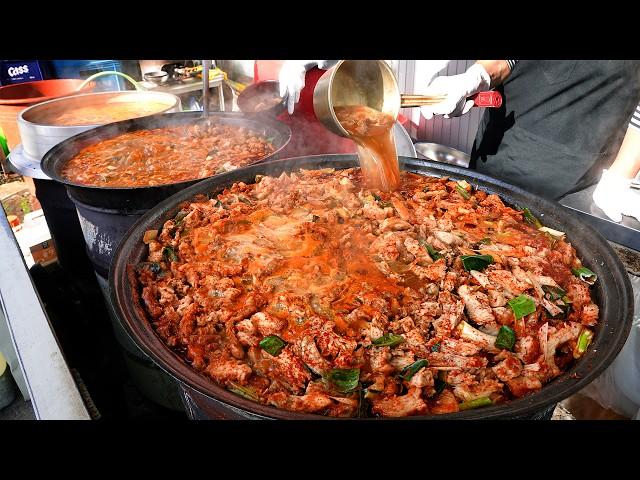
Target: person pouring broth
(563,126)
(371,129)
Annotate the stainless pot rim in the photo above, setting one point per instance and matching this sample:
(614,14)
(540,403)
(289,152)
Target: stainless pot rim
(28,111)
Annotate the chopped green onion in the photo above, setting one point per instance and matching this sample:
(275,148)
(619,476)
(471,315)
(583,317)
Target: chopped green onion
(530,218)
(475,403)
(180,216)
(584,274)
(439,385)
(272,344)
(246,392)
(435,347)
(555,293)
(388,340)
(363,403)
(463,193)
(506,338)
(409,371)
(376,197)
(485,240)
(522,305)
(344,379)
(433,253)
(584,340)
(169,254)
(476,262)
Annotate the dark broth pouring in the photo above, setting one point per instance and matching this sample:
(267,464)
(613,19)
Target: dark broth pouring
(372,131)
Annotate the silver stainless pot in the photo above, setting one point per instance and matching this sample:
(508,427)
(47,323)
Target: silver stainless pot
(38,138)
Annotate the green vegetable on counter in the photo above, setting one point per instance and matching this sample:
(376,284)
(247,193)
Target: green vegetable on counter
(476,262)
(409,371)
(506,338)
(475,403)
(272,344)
(584,274)
(522,305)
(388,340)
(344,379)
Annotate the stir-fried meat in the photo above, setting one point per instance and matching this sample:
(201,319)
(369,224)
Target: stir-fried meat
(317,295)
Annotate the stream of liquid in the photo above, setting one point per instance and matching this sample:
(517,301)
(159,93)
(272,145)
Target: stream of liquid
(372,131)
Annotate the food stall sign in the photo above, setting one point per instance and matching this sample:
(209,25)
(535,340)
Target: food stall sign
(19,71)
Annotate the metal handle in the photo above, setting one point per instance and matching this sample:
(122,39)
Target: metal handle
(102,74)
(490,99)
(205,88)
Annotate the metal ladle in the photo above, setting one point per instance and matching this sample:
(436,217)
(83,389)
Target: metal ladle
(373,84)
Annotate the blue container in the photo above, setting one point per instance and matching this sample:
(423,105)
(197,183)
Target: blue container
(86,68)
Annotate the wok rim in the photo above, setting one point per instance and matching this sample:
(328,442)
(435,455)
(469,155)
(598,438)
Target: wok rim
(50,161)
(608,341)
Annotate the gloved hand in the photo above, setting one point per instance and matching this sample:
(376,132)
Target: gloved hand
(292,76)
(457,88)
(615,197)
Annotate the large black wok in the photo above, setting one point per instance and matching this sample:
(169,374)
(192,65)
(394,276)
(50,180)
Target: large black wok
(141,198)
(612,292)
(106,213)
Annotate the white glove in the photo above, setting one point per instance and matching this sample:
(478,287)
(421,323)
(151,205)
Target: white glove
(615,197)
(457,88)
(291,80)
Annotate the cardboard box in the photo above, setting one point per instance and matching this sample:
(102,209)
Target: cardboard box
(44,253)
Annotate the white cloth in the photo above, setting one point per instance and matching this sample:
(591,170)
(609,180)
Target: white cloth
(456,88)
(615,197)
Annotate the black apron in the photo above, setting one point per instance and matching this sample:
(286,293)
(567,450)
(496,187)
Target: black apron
(561,123)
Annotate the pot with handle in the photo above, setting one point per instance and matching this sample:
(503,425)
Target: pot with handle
(373,84)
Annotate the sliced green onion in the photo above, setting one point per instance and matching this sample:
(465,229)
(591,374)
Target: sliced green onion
(439,385)
(433,253)
(409,371)
(180,216)
(463,193)
(506,338)
(169,254)
(272,344)
(435,347)
(476,262)
(388,340)
(584,274)
(485,240)
(376,197)
(246,392)
(530,218)
(584,340)
(363,403)
(555,293)
(522,305)
(344,379)
(475,403)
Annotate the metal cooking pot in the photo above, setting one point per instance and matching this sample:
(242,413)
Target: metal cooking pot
(612,293)
(38,137)
(107,212)
(372,83)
